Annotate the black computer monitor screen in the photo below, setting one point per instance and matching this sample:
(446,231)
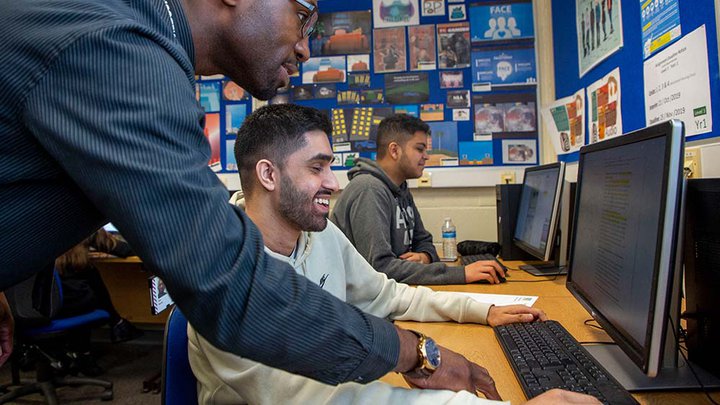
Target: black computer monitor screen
(625,239)
(538,209)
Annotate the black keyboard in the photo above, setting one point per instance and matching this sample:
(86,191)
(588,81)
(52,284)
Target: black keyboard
(467,259)
(544,356)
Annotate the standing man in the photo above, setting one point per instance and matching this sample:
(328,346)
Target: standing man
(378,214)
(284,159)
(99,123)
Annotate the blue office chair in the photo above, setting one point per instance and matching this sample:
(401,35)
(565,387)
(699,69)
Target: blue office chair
(179,385)
(29,340)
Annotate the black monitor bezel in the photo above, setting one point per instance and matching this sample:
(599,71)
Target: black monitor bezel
(542,255)
(638,353)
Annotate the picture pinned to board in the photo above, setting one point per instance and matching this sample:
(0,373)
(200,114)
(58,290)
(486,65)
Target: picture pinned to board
(422,47)
(507,21)
(389,53)
(395,13)
(442,143)
(342,33)
(232,92)
(599,31)
(453,45)
(451,79)
(519,151)
(566,122)
(475,153)
(407,88)
(358,63)
(432,112)
(324,69)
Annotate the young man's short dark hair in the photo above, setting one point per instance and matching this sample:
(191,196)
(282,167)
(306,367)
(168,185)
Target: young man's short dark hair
(398,128)
(273,132)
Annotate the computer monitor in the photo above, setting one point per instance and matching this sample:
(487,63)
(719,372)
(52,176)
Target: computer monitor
(538,215)
(625,254)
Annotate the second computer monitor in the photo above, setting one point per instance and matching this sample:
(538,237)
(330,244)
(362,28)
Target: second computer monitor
(539,210)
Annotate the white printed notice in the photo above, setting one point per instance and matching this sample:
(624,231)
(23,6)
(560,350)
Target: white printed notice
(502,299)
(565,122)
(677,84)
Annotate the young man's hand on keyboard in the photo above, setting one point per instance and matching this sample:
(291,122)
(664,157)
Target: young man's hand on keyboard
(484,270)
(513,314)
(556,396)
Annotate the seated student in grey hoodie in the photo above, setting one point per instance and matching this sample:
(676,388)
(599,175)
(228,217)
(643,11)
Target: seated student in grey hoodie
(378,214)
(284,158)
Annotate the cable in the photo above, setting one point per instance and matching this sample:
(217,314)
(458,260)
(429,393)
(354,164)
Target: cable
(587,323)
(692,369)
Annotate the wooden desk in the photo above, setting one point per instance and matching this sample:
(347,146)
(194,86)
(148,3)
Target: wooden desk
(478,343)
(127,283)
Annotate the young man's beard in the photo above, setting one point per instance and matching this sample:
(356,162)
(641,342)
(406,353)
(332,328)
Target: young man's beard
(293,207)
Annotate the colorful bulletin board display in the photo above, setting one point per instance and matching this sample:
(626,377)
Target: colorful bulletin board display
(599,31)
(501,21)
(689,15)
(660,24)
(373,58)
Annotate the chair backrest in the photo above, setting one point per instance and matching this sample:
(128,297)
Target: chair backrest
(179,385)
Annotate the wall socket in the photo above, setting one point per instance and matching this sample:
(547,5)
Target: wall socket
(507,178)
(425,180)
(692,162)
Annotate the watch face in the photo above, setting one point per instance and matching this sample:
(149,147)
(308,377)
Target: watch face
(433,353)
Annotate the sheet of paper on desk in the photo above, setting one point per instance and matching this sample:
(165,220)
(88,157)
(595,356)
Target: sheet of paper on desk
(503,299)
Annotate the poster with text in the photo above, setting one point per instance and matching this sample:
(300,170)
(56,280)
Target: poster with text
(407,88)
(395,13)
(599,31)
(677,84)
(210,96)
(660,22)
(342,33)
(501,21)
(453,42)
(421,40)
(565,122)
(604,102)
(502,67)
(389,53)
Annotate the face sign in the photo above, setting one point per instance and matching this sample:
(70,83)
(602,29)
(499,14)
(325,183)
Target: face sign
(265,45)
(306,183)
(414,155)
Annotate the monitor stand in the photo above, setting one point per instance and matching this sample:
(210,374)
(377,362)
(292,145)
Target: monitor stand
(619,365)
(544,270)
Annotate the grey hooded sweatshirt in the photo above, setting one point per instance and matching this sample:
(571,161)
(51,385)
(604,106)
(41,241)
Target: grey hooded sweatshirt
(382,221)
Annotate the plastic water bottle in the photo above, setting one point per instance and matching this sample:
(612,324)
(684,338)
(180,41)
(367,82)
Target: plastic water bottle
(449,240)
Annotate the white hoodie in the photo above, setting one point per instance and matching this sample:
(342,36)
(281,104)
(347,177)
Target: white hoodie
(330,260)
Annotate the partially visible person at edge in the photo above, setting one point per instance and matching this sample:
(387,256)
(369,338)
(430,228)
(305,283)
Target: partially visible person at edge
(377,212)
(100,123)
(83,291)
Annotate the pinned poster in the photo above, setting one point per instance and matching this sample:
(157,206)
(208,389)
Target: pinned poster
(395,13)
(566,122)
(604,102)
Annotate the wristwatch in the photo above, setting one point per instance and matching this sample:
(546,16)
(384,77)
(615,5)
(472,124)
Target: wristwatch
(428,357)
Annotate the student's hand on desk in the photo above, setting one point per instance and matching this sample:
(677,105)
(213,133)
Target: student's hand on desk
(457,373)
(557,396)
(487,270)
(514,314)
(7,325)
(421,257)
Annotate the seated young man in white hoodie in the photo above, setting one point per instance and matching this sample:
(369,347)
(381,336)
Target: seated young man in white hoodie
(284,157)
